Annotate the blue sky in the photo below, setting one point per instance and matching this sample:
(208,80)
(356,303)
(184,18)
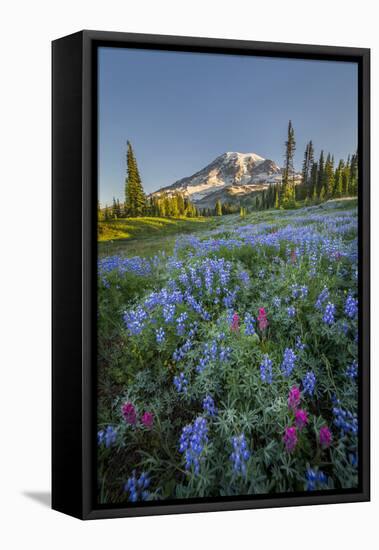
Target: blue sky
(181,110)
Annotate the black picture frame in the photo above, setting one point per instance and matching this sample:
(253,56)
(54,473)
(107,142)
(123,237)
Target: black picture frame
(74,177)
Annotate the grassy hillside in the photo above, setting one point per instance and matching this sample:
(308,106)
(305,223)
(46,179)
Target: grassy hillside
(146,235)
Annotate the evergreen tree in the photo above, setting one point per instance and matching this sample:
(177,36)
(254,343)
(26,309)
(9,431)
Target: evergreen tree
(322,193)
(338,179)
(174,206)
(314,178)
(329,176)
(288,195)
(167,205)
(180,200)
(271,196)
(277,199)
(353,187)
(305,169)
(156,211)
(311,159)
(346,178)
(320,175)
(307,166)
(135,198)
(257,203)
(114,208)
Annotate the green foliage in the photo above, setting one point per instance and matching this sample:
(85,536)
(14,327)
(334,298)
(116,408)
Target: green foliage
(139,370)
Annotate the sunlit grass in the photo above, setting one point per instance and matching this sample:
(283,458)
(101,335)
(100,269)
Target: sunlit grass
(129,228)
(146,236)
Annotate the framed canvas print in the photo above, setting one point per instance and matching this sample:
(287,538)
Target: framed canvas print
(210,274)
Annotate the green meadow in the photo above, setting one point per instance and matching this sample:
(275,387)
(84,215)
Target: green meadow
(147,235)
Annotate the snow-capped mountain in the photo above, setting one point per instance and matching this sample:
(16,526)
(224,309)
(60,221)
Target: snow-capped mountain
(229,176)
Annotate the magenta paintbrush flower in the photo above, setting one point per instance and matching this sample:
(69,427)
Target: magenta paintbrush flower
(129,413)
(290,438)
(325,437)
(235,322)
(294,397)
(301,419)
(147,419)
(262,319)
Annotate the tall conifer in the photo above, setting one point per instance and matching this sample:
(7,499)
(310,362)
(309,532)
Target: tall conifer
(289,171)
(320,175)
(135,199)
(329,177)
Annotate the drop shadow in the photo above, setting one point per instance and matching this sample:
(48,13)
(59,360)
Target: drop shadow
(42,497)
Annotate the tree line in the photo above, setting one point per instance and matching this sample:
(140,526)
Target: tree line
(320,180)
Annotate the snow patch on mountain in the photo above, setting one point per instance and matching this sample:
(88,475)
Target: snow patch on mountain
(231,170)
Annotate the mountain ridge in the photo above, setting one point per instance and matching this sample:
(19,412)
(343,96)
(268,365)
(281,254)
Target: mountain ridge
(230,175)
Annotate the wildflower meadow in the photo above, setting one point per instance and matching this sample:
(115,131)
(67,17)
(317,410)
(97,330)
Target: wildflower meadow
(228,364)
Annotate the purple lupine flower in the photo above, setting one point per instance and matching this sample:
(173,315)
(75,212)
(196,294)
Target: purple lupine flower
(352,370)
(324,295)
(180,323)
(288,363)
(107,436)
(160,335)
(249,324)
(351,307)
(181,383)
(315,479)
(266,369)
(240,454)
(209,406)
(299,344)
(291,312)
(329,313)
(345,420)
(137,487)
(309,383)
(192,441)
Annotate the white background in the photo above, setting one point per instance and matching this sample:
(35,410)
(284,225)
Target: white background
(26,31)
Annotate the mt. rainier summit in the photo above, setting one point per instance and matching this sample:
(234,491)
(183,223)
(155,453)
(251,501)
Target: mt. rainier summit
(229,176)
